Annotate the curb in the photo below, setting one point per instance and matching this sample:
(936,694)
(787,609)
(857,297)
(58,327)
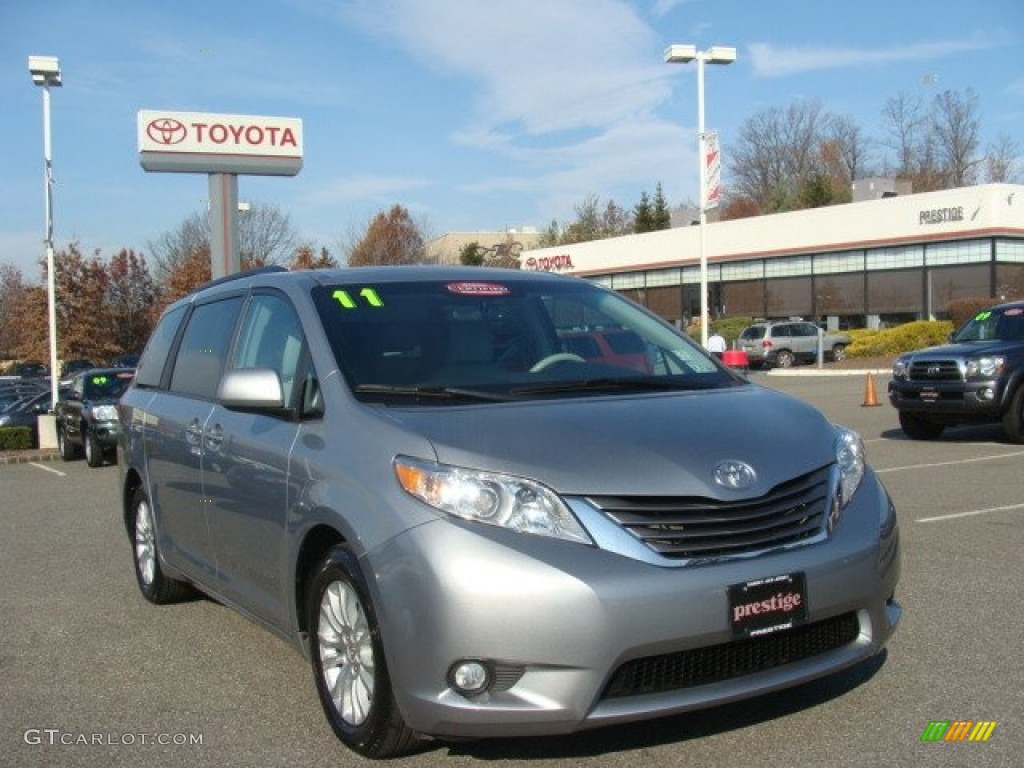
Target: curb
(25,457)
(827,372)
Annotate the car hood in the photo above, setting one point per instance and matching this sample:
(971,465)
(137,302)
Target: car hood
(964,349)
(651,444)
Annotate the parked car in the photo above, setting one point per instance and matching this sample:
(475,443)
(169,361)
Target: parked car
(977,378)
(31,370)
(472,531)
(782,344)
(86,417)
(125,361)
(71,367)
(25,413)
(613,346)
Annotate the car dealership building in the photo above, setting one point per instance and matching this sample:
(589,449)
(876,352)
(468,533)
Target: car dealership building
(865,264)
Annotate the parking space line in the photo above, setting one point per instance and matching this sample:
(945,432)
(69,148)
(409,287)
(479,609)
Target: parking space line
(972,513)
(48,469)
(950,463)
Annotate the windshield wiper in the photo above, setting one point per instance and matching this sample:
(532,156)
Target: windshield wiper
(631,383)
(430,391)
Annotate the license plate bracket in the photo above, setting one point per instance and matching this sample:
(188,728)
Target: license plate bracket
(763,606)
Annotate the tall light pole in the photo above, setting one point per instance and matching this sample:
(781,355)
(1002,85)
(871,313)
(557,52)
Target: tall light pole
(45,71)
(716,54)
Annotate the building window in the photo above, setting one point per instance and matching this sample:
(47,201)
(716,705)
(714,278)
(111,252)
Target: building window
(828,263)
(743,270)
(1009,250)
(951,283)
(658,277)
(691,275)
(790,266)
(788,297)
(895,258)
(959,252)
(628,280)
(895,292)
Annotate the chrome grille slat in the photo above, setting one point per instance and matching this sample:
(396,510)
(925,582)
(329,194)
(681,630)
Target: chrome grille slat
(690,527)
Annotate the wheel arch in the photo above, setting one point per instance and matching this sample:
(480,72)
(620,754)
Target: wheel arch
(132,483)
(317,542)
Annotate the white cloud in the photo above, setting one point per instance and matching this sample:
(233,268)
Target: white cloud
(776,61)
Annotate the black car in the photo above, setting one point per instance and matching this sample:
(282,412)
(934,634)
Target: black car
(977,378)
(25,413)
(71,367)
(87,417)
(31,370)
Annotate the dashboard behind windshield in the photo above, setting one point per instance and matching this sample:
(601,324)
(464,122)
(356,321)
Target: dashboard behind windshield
(502,337)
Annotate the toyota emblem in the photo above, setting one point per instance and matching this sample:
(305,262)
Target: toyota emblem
(734,475)
(166,130)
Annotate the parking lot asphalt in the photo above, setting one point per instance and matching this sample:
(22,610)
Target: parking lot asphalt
(90,671)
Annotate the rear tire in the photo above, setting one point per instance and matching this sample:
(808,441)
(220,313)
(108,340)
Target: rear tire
(839,352)
(348,661)
(1013,419)
(785,359)
(919,428)
(68,452)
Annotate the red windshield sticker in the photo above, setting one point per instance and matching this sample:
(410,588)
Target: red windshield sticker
(478,289)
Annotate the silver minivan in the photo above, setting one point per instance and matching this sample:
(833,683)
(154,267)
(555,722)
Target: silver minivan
(472,531)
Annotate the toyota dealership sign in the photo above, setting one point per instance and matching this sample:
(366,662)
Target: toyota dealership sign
(198,142)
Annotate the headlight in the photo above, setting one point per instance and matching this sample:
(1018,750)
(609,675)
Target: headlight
(105,413)
(487,497)
(850,458)
(900,367)
(984,367)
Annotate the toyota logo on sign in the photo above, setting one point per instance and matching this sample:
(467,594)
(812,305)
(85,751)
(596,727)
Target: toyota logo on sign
(166,130)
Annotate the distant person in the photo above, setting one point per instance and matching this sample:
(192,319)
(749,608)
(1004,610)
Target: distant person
(716,345)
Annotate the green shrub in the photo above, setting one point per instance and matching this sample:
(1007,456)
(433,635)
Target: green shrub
(730,327)
(903,338)
(15,438)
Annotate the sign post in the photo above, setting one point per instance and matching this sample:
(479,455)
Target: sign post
(221,146)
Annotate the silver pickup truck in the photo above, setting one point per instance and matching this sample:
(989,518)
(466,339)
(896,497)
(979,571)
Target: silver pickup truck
(783,343)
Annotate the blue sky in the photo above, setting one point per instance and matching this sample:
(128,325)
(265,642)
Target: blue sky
(473,114)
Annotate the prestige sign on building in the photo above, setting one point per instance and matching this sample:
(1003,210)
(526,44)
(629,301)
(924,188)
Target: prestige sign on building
(198,142)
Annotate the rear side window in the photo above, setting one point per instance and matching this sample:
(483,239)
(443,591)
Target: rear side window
(754,332)
(151,366)
(204,348)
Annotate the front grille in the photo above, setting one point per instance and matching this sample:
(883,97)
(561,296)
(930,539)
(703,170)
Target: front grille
(935,370)
(714,664)
(696,527)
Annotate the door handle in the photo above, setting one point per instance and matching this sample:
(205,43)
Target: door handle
(214,438)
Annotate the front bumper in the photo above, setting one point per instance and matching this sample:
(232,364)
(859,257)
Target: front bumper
(558,620)
(106,432)
(972,399)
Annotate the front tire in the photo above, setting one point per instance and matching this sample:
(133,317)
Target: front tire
(155,586)
(93,449)
(348,661)
(919,428)
(839,352)
(1013,419)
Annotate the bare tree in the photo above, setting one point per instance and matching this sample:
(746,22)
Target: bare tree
(1001,161)
(904,124)
(955,130)
(779,152)
(265,236)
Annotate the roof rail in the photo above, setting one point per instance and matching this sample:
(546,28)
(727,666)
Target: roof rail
(238,275)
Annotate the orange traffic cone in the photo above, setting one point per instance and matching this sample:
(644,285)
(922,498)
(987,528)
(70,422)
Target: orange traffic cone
(870,396)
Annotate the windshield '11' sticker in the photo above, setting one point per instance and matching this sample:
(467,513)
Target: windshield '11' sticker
(366,294)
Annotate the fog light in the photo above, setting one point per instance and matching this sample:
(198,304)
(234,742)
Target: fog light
(469,677)
(986,393)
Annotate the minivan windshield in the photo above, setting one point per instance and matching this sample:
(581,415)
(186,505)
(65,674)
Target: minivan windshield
(455,341)
(998,324)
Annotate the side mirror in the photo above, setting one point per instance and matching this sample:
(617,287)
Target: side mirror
(254,389)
